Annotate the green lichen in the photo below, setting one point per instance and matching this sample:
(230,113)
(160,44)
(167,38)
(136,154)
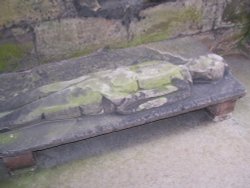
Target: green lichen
(124,83)
(127,87)
(162,77)
(138,67)
(114,95)
(165,24)
(7,138)
(160,81)
(52,109)
(156,82)
(170,23)
(87,99)
(85,51)
(10,55)
(51,88)
(162,26)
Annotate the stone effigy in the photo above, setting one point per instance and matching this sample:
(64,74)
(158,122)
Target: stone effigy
(108,91)
(124,90)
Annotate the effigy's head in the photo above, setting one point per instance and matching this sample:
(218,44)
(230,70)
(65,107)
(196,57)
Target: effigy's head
(206,68)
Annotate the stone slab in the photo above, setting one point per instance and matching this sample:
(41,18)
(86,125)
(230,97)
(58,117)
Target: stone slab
(50,134)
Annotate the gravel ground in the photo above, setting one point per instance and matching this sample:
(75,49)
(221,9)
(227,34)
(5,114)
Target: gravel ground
(185,151)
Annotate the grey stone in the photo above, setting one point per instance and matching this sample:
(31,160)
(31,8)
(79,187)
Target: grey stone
(126,88)
(54,133)
(207,68)
(58,40)
(152,103)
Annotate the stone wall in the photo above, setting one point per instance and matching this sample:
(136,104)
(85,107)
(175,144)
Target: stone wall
(35,32)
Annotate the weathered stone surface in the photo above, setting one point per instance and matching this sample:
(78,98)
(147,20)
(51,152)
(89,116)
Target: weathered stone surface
(126,88)
(213,11)
(55,30)
(49,134)
(166,21)
(13,85)
(70,102)
(92,4)
(29,11)
(18,83)
(21,99)
(152,103)
(18,89)
(150,78)
(207,68)
(182,96)
(56,39)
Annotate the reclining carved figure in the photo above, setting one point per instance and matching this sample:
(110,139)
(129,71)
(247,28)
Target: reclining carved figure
(124,90)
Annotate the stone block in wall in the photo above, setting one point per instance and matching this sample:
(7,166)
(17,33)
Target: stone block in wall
(213,13)
(30,11)
(69,37)
(16,49)
(165,21)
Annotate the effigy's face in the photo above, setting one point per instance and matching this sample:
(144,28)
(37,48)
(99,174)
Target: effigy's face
(124,90)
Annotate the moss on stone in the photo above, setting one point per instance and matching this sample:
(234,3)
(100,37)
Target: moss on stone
(160,77)
(85,51)
(124,81)
(10,56)
(164,24)
(52,109)
(7,138)
(156,82)
(130,87)
(127,87)
(90,97)
(137,67)
(51,87)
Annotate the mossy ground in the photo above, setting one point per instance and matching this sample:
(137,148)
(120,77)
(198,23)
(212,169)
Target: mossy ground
(10,56)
